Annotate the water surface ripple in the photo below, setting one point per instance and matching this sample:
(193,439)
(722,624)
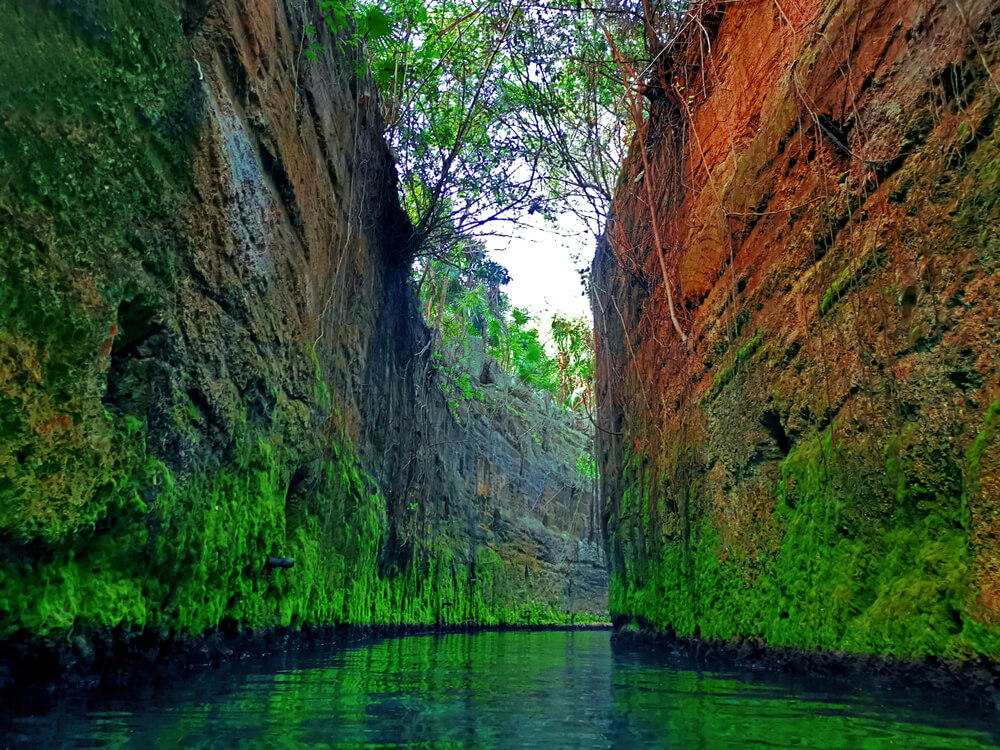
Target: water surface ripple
(501,690)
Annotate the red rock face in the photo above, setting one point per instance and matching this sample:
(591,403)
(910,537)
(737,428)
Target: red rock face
(825,183)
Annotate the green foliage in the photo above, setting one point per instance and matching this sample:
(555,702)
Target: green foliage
(574,342)
(496,109)
(463,300)
(521,351)
(351,24)
(586,466)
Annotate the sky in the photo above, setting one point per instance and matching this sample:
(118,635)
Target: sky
(544,276)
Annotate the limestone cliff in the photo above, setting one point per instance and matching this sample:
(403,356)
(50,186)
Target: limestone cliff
(210,352)
(810,457)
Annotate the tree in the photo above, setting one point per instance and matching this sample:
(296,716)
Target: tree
(574,342)
(501,108)
(498,110)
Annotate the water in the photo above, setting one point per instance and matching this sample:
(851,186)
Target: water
(501,690)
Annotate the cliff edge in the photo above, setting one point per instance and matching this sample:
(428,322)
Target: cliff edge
(210,353)
(809,456)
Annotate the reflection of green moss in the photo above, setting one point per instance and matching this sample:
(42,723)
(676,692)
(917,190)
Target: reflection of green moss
(496,690)
(845,575)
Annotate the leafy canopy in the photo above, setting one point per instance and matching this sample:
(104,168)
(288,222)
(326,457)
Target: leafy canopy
(498,110)
(465,300)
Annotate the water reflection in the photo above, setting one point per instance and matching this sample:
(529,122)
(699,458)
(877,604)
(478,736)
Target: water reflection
(509,690)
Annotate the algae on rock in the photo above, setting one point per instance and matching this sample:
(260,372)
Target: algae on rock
(210,352)
(827,481)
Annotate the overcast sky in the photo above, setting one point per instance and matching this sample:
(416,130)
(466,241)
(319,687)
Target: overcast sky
(544,277)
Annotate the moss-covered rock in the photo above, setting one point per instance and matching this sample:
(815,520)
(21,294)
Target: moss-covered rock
(812,467)
(210,354)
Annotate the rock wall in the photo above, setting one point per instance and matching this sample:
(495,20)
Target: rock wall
(210,352)
(810,457)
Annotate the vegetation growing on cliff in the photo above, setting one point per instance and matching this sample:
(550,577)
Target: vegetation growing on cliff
(180,395)
(203,559)
(800,441)
(464,300)
(835,579)
(82,234)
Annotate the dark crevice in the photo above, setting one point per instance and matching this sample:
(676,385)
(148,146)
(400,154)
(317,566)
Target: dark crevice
(193,14)
(836,132)
(956,82)
(135,328)
(300,486)
(237,75)
(967,380)
(969,147)
(792,351)
(771,421)
(275,167)
(923,344)
(200,402)
(310,101)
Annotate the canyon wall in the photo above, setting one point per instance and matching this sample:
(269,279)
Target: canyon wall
(211,354)
(810,455)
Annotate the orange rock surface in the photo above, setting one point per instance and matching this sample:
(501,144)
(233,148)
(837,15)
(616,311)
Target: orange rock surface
(825,184)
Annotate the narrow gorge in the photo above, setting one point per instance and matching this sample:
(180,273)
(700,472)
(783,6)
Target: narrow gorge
(229,420)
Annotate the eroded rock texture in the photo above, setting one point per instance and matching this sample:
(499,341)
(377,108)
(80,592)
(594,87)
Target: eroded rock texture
(210,353)
(816,465)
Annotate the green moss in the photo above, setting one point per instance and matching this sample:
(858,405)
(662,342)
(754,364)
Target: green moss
(835,291)
(974,455)
(97,112)
(979,206)
(194,552)
(724,375)
(851,275)
(844,576)
(750,347)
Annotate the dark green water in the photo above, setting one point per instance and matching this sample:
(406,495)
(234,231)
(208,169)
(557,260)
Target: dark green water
(501,690)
